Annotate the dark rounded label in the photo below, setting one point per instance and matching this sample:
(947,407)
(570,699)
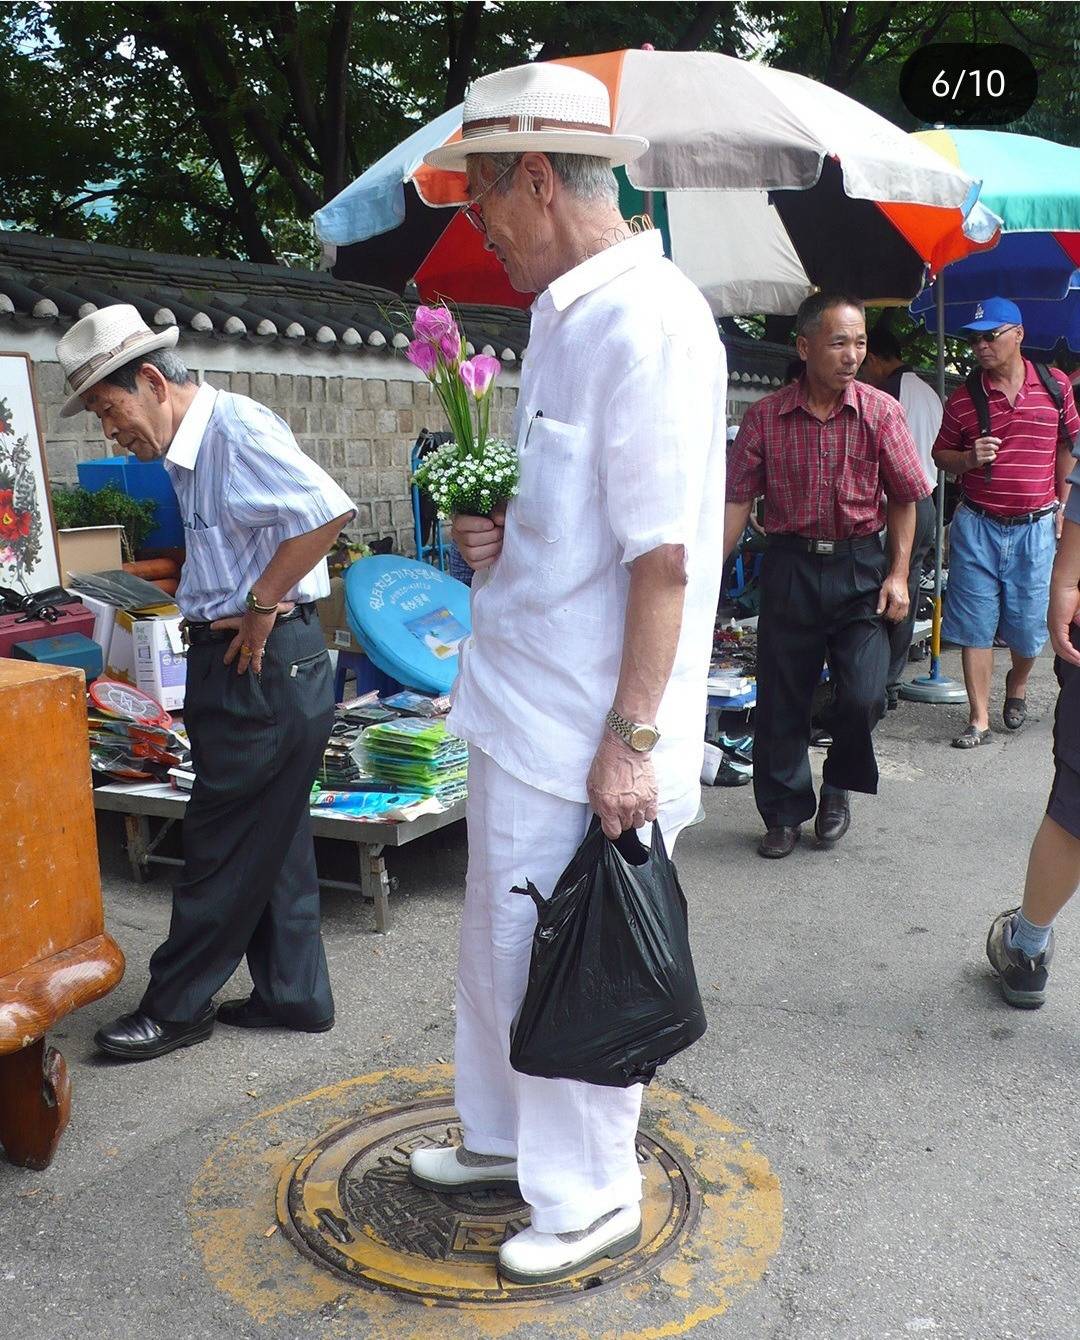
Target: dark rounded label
(968,83)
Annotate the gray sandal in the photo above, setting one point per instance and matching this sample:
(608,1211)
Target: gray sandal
(971,738)
(1014,713)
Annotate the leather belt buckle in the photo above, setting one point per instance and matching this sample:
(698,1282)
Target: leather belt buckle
(822,546)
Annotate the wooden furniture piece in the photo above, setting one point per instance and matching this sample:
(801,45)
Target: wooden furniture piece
(54,953)
(139,802)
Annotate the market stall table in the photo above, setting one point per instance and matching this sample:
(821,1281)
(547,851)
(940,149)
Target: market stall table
(142,801)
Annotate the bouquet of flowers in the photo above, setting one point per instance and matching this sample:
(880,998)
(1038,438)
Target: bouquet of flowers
(475,472)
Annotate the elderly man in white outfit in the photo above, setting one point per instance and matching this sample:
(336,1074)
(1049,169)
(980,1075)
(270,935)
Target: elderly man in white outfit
(582,687)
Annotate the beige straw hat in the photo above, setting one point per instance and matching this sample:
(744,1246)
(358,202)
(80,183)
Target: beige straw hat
(103,341)
(541,108)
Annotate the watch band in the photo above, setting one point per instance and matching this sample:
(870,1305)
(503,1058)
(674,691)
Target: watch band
(628,730)
(253,605)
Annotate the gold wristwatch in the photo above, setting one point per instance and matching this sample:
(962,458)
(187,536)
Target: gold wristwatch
(640,738)
(252,602)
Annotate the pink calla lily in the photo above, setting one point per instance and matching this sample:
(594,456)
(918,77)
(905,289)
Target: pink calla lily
(423,356)
(478,373)
(433,323)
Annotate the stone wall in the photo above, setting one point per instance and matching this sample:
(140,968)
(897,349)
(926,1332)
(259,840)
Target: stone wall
(360,429)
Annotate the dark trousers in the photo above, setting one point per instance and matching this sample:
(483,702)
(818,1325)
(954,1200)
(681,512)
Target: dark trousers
(923,543)
(249,884)
(815,608)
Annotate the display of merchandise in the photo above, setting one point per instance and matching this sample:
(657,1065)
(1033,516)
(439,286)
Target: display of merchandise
(418,754)
(417,704)
(389,806)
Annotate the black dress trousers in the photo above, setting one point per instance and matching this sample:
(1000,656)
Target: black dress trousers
(249,884)
(813,608)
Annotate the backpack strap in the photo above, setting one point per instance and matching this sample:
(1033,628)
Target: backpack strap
(1052,387)
(977,391)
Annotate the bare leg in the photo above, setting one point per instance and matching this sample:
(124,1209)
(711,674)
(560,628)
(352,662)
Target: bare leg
(978,665)
(1053,873)
(1017,679)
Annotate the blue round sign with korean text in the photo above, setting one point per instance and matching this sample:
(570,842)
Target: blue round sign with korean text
(410,618)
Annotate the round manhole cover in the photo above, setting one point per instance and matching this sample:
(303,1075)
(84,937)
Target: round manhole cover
(347,1202)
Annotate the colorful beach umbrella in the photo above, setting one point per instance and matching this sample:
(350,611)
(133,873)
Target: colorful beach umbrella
(774,184)
(1034,186)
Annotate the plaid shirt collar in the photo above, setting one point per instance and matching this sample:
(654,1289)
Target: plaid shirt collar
(794,397)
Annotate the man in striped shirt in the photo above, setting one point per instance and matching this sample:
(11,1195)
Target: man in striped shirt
(1003,535)
(259,518)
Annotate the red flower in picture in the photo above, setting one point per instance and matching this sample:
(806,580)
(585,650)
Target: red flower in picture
(13,525)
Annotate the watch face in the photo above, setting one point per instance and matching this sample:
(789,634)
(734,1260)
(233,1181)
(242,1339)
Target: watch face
(643,738)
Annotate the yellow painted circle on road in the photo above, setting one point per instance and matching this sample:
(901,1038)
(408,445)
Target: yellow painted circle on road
(325,1151)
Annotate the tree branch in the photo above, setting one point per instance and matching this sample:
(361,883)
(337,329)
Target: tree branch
(699,27)
(256,120)
(462,50)
(293,65)
(186,56)
(337,75)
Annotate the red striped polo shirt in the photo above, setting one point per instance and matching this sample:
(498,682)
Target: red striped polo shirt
(1022,478)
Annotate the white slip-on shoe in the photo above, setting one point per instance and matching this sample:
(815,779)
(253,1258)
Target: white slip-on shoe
(454,1168)
(530,1257)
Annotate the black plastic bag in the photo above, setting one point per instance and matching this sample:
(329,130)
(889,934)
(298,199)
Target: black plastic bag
(612,992)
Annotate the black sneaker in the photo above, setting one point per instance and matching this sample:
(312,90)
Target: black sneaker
(1022,979)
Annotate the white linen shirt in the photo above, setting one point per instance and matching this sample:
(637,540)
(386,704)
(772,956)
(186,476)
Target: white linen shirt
(621,445)
(244,487)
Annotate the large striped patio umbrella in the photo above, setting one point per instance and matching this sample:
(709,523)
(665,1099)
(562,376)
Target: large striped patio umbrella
(775,184)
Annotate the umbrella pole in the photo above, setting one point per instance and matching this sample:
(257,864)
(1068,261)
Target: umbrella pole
(936,687)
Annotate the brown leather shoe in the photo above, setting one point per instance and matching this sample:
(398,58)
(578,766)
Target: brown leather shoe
(779,841)
(833,817)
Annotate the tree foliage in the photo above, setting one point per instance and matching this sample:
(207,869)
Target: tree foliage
(219,128)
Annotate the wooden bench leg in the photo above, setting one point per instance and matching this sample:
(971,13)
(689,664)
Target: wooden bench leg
(35,1104)
(375,884)
(137,831)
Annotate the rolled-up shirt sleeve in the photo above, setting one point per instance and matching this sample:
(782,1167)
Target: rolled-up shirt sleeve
(950,435)
(273,483)
(902,472)
(746,460)
(661,430)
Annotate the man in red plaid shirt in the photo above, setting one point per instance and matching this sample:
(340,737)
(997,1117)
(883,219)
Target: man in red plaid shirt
(825,452)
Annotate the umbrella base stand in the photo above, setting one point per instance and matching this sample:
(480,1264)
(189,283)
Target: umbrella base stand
(933,689)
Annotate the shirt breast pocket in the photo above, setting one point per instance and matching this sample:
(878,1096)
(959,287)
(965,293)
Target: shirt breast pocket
(210,567)
(859,482)
(551,477)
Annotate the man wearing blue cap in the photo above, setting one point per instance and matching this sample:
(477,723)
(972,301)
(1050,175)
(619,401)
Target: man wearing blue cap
(1007,433)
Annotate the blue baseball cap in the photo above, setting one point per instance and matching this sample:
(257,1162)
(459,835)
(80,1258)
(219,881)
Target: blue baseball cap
(994,312)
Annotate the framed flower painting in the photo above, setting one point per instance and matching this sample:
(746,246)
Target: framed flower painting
(28,554)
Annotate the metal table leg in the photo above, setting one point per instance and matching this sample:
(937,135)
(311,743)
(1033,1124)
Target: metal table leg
(375,883)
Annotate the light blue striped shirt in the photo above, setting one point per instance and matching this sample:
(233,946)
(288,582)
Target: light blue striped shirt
(244,487)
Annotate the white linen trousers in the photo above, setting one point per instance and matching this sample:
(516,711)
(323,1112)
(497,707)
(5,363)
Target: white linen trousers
(574,1142)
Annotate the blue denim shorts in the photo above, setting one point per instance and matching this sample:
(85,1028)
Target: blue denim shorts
(999,582)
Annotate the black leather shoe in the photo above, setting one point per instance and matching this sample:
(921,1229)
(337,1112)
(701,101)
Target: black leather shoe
(137,1037)
(249,1014)
(779,841)
(833,817)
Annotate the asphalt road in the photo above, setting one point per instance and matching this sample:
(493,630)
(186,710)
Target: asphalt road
(924,1135)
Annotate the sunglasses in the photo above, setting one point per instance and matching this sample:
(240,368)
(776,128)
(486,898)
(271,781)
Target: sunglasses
(472,213)
(987,336)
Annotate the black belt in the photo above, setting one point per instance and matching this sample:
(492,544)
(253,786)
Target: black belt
(200,634)
(1020,519)
(825,548)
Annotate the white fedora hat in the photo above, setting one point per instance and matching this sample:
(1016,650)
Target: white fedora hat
(103,341)
(542,108)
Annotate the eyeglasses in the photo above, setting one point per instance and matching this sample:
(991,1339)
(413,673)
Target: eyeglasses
(470,210)
(989,336)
